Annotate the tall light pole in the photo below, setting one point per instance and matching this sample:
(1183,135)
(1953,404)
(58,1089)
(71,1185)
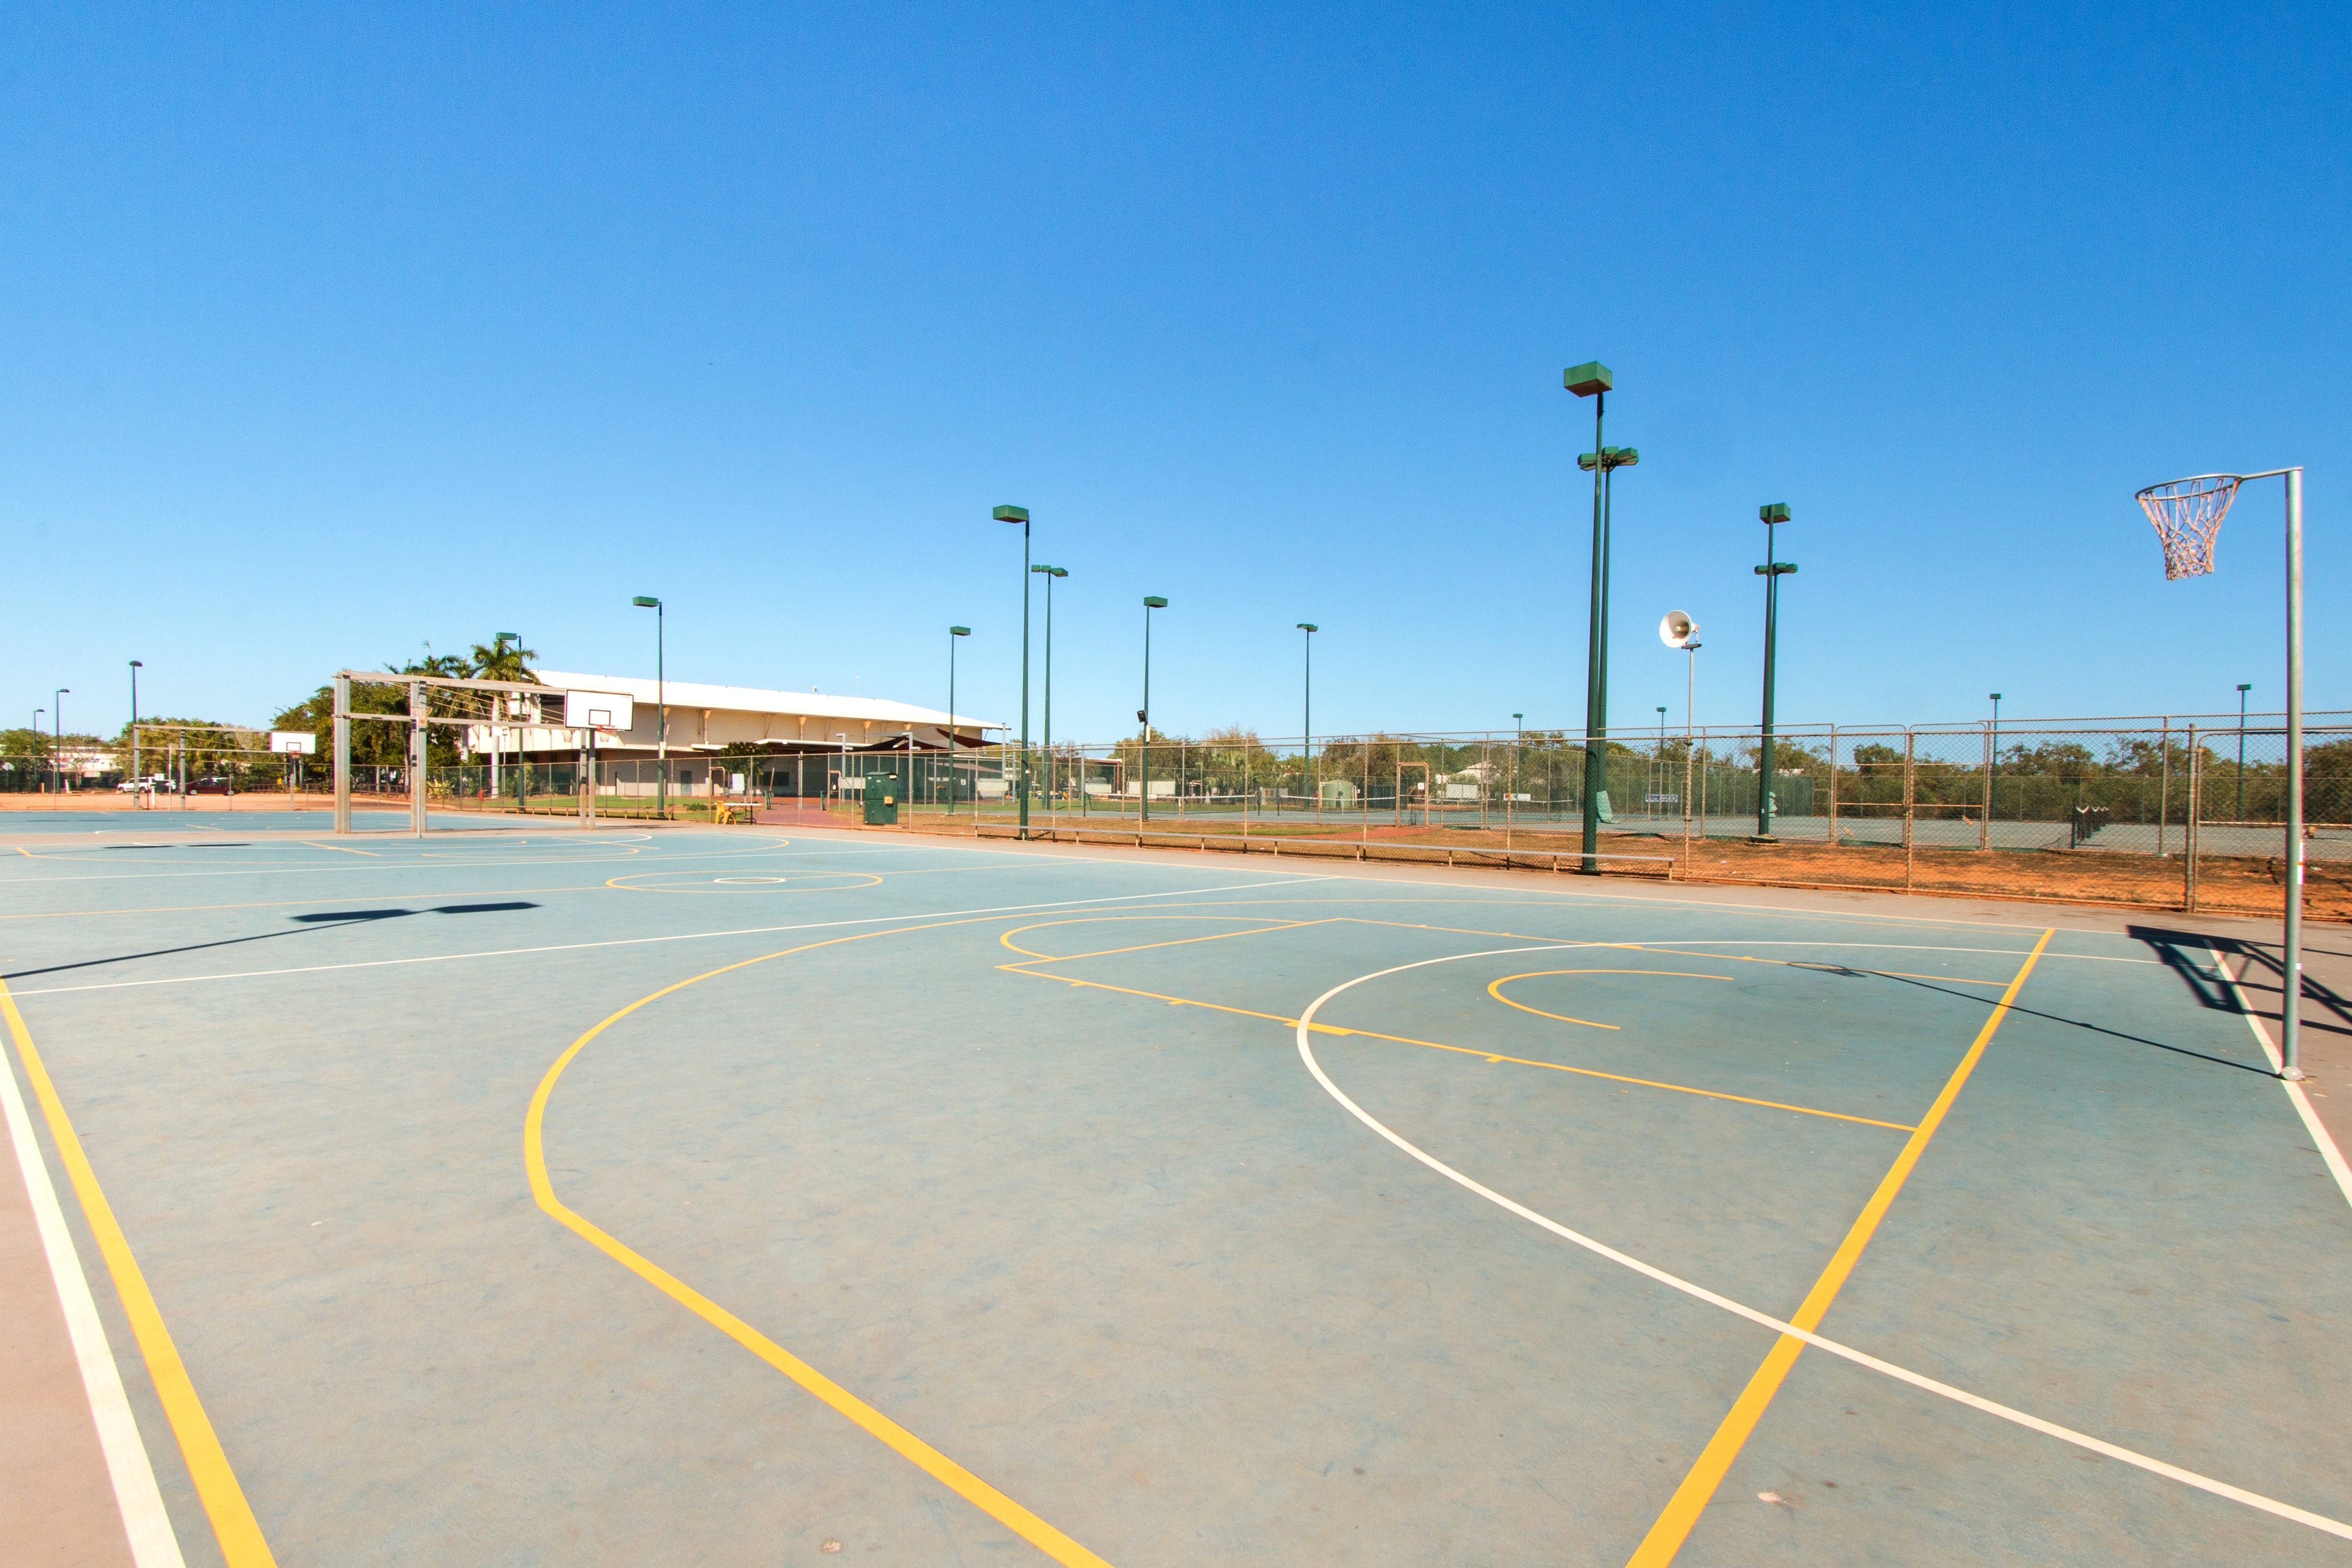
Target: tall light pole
(1049,573)
(1021,773)
(1151,601)
(1594,380)
(1661,762)
(2243,687)
(1306,716)
(1992,774)
(954,633)
(58,736)
(661,706)
(1771,572)
(137,665)
(1690,735)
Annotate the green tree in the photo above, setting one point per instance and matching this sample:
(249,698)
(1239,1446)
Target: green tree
(502,661)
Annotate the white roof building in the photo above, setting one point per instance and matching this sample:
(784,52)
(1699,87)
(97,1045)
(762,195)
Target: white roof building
(714,718)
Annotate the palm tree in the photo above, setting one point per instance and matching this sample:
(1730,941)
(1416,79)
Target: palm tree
(502,661)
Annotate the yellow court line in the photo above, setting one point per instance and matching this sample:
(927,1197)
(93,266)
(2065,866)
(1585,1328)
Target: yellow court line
(1459,1050)
(241,1541)
(1495,989)
(1007,941)
(339,848)
(1060,1548)
(1690,1500)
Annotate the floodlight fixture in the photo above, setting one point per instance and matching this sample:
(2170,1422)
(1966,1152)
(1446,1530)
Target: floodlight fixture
(1587,378)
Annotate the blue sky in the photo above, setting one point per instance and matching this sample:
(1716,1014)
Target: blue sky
(326,332)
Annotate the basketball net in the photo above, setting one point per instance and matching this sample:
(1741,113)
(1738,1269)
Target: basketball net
(2188,515)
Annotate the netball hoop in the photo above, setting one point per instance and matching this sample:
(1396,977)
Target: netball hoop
(2187,516)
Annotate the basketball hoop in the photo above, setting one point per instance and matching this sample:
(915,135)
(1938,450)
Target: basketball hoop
(2187,516)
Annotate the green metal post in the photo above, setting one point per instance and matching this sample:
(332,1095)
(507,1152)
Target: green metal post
(661,711)
(1021,769)
(954,633)
(1771,572)
(1049,573)
(1596,690)
(1306,721)
(2243,687)
(1151,603)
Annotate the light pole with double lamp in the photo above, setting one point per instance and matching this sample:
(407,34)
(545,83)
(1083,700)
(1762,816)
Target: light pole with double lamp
(1049,573)
(1151,601)
(139,664)
(661,708)
(954,633)
(1772,516)
(1021,771)
(1307,717)
(1594,380)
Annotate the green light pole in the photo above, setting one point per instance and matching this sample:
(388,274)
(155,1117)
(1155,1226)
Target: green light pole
(1992,774)
(1307,720)
(661,708)
(1151,601)
(1021,770)
(2243,687)
(1049,573)
(1771,572)
(1594,380)
(954,633)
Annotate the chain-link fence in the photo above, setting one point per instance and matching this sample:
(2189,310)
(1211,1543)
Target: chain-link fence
(2173,814)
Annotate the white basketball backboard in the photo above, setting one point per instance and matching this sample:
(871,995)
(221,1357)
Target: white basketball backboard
(598,710)
(294,742)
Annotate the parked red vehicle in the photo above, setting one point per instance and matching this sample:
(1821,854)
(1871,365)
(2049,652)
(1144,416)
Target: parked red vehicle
(212,787)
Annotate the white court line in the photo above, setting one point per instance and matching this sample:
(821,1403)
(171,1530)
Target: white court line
(441,863)
(643,941)
(1699,1292)
(2320,1139)
(136,1496)
(1894,947)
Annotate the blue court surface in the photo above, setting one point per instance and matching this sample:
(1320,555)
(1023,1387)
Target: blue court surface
(711,1196)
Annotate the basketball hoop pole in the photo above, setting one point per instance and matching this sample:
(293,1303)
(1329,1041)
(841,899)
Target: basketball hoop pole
(2290,957)
(2291,989)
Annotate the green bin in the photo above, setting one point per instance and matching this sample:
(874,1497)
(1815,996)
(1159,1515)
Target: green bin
(881,800)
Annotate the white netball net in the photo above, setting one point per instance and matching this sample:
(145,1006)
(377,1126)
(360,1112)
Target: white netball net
(2187,516)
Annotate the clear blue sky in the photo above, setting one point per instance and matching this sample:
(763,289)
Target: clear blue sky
(329,332)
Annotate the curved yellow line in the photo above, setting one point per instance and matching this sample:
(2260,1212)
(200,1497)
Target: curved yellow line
(242,1544)
(957,1479)
(1495,989)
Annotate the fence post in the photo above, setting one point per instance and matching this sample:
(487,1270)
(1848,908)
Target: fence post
(2188,856)
(1910,798)
(1833,787)
(2164,784)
